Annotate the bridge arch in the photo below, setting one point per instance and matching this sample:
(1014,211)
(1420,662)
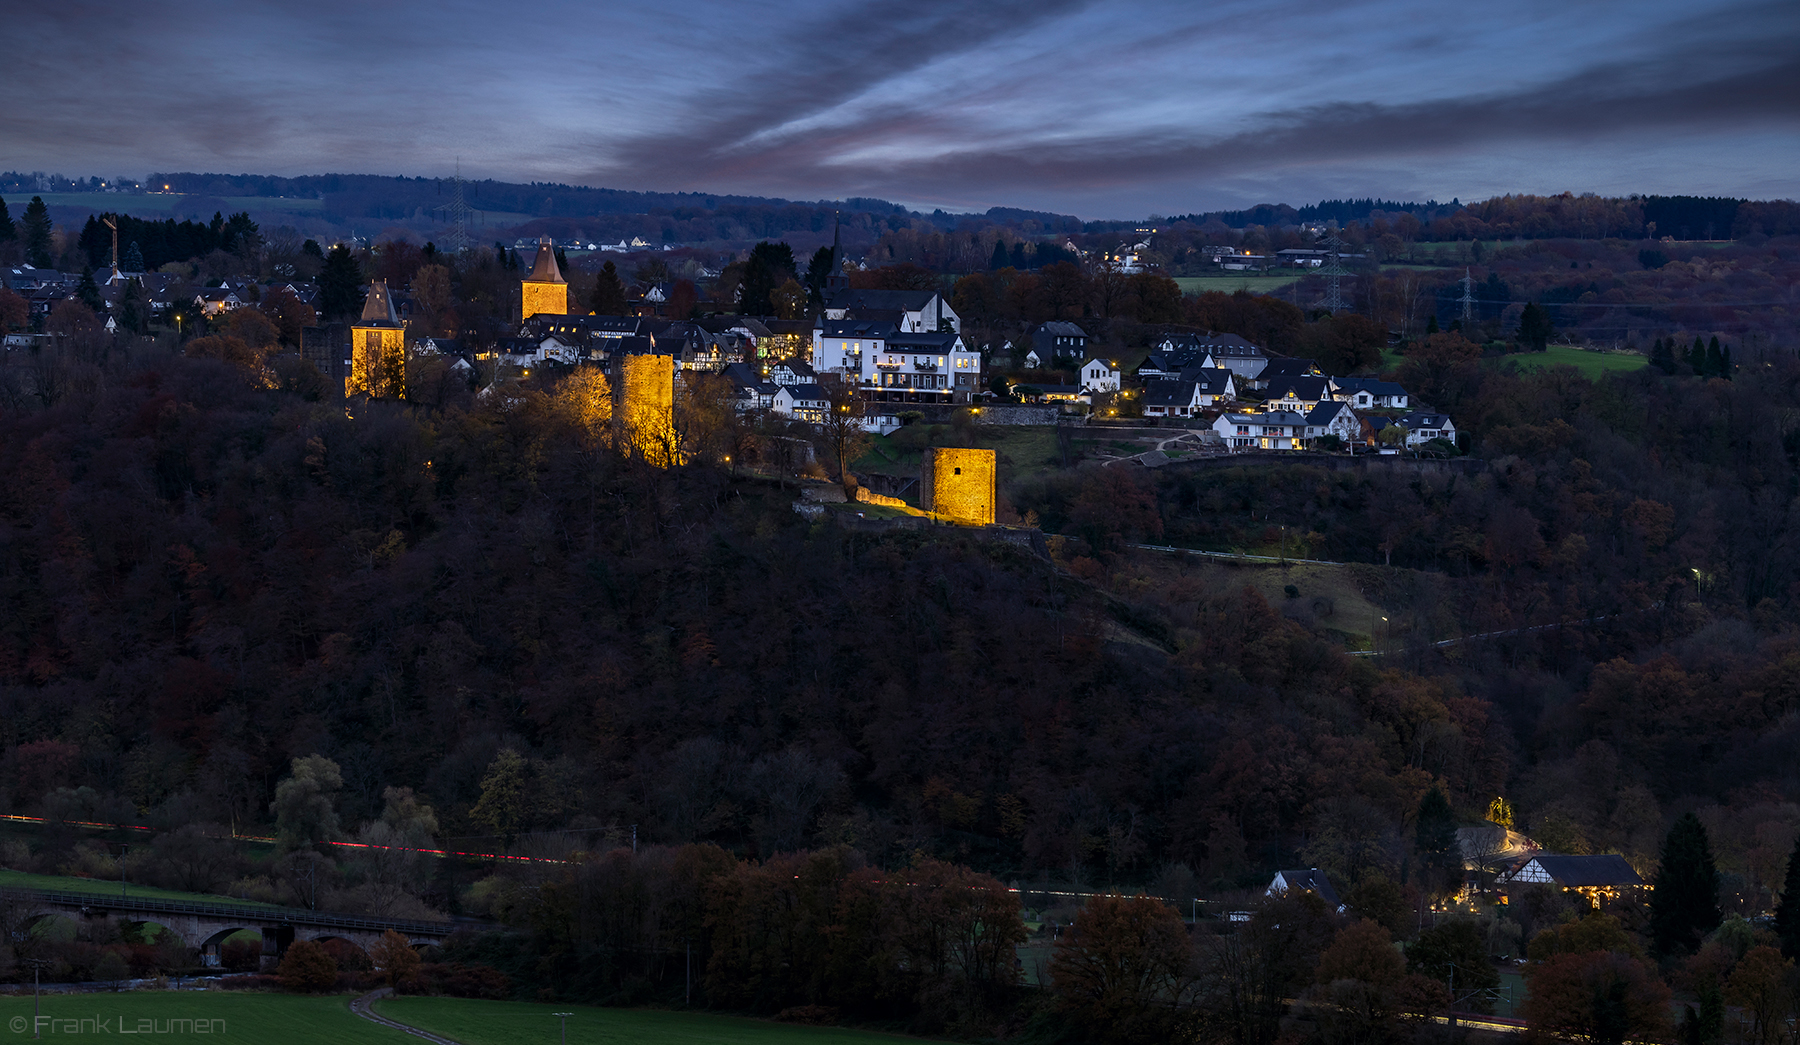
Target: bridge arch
(349,953)
(242,944)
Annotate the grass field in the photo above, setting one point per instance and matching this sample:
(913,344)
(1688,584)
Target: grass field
(1230,284)
(1592,364)
(504,1023)
(1021,451)
(101,887)
(265,1019)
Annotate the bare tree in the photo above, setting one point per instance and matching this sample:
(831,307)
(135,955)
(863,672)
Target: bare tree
(843,429)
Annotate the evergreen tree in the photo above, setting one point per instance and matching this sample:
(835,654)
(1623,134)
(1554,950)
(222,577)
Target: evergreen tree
(769,266)
(134,314)
(1787,913)
(311,248)
(608,298)
(1435,829)
(1431,325)
(1684,906)
(500,253)
(562,261)
(1725,362)
(134,258)
(1018,256)
(340,285)
(7,231)
(1534,327)
(37,233)
(1662,356)
(1715,363)
(818,270)
(1696,358)
(513,264)
(88,291)
(999,260)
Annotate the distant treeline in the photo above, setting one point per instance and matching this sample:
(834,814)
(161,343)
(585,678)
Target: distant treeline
(160,242)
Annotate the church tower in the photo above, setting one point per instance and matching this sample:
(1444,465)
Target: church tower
(835,279)
(377,348)
(544,291)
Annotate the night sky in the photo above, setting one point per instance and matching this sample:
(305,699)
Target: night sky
(1111,109)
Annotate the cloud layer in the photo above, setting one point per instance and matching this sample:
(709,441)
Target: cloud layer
(1099,108)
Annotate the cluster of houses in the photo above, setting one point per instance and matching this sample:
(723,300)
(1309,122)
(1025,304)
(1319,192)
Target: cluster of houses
(1207,378)
(895,348)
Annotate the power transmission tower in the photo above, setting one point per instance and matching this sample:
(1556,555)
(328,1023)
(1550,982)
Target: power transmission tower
(1468,299)
(1334,274)
(458,235)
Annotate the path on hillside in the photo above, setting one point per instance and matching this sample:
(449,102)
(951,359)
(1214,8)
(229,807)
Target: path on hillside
(365,1007)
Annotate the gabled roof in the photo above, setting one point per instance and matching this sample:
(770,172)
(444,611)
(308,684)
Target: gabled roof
(1217,344)
(1418,419)
(1059,328)
(543,268)
(1285,368)
(857,328)
(922,341)
(1170,393)
(1213,381)
(887,300)
(800,369)
(1306,880)
(1310,389)
(806,391)
(1369,385)
(1580,871)
(1326,412)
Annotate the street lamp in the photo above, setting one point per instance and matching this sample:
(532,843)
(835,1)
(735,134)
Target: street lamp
(565,1025)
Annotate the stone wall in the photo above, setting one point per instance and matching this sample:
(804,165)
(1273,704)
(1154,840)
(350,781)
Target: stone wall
(959,484)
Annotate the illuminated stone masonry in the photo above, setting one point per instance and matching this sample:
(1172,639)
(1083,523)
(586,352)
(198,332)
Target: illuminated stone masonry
(377,348)
(959,485)
(646,410)
(544,292)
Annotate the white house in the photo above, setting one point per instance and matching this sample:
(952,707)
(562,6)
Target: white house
(919,311)
(1100,376)
(1333,417)
(1172,399)
(916,366)
(1422,428)
(1274,430)
(1299,394)
(1365,393)
(1304,880)
(801,402)
(1217,385)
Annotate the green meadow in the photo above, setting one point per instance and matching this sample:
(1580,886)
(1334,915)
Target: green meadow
(262,1019)
(509,1022)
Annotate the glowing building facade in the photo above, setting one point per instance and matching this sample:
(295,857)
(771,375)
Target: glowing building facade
(959,485)
(544,291)
(377,348)
(646,407)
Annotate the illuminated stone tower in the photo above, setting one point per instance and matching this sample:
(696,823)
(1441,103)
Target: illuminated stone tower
(958,484)
(646,410)
(377,348)
(544,292)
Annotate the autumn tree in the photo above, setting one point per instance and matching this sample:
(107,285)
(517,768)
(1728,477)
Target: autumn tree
(307,968)
(1684,906)
(1455,953)
(395,958)
(14,311)
(1434,835)
(1363,994)
(1125,971)
(843,430)
(1597,997)
(223,347)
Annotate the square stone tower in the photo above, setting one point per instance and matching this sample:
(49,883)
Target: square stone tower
(377,348)
(544,291)
(959,484)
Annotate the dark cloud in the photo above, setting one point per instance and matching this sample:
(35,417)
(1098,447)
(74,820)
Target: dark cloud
(1104,106)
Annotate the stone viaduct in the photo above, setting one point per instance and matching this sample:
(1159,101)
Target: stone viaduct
(205,926)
